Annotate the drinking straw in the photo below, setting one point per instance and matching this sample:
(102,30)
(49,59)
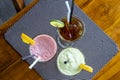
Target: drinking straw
(71,12)
(68,14)
(31,66)
(28,56)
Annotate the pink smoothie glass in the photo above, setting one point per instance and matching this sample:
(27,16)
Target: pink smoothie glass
(45,47)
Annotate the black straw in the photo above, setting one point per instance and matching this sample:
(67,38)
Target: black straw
(71,12)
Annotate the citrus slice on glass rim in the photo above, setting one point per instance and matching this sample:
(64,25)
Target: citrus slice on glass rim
(26,39)
(57,23)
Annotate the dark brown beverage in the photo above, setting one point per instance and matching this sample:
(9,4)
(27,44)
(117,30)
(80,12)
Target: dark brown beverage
(72,31)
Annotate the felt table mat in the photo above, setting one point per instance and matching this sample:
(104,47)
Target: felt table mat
(1,22)
(96,46)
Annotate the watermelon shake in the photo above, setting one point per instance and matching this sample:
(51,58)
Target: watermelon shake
(45,48)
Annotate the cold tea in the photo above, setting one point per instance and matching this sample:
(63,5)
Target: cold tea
(71,31)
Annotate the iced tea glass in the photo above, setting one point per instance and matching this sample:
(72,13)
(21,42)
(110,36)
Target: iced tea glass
(71,32)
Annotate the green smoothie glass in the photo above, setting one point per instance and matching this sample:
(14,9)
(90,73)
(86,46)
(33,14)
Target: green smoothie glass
(71,61)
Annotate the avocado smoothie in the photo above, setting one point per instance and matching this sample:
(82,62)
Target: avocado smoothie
(69,60)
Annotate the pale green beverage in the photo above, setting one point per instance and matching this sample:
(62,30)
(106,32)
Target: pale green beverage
(69,60)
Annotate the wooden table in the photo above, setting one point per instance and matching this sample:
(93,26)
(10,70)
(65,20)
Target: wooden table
(105,13)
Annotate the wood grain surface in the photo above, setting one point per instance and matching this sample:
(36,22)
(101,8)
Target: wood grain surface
(105,13)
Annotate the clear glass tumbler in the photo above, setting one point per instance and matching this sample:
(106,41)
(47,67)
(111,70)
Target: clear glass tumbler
(70,32)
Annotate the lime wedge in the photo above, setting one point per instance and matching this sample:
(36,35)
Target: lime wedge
(26,39)
(57,23)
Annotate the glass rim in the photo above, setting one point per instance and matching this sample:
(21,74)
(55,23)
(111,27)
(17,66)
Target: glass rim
(83,26)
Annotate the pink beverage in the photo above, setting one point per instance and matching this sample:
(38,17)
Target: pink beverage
(45,47)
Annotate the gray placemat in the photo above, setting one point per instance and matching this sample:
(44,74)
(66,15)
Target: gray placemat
(1,21)
(96,46)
